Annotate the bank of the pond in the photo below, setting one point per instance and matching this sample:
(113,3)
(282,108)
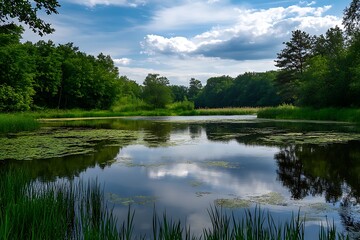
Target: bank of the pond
(155,112)
(17,123)
(299,113)
(27,121)
(33,210)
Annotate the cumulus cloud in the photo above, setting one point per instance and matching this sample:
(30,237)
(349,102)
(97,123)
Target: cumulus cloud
(255,34)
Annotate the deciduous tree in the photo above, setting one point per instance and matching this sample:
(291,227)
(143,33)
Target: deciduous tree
(26,11)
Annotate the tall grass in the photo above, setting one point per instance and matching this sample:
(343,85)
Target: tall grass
(17,122)
(33,210)
(324,114)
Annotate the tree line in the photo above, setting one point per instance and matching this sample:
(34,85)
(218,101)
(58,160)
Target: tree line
(323,71)
(316,71)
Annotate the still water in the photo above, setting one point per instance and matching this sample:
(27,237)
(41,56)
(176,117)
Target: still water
(185,165)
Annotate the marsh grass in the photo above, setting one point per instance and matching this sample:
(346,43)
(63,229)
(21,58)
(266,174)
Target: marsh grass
(12,123)
(34,210)
(298,113)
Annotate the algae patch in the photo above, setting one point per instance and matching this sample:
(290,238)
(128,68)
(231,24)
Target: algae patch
(309,138)
(233,203)
(201,194)
(139,200)
(221,164)
(195,183)
(59,142)
(272,198)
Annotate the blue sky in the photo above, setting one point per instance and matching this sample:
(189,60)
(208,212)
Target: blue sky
(181,39)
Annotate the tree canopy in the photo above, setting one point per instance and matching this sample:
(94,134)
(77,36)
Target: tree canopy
(26,11)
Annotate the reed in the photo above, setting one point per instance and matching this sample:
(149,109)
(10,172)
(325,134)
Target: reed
(33,210)
(12,123)
(299,113)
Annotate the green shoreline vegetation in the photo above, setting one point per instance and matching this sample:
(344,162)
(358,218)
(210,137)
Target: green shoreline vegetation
(29,121)
(33,210)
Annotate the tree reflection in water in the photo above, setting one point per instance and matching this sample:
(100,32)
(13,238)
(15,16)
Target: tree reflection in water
(329,170)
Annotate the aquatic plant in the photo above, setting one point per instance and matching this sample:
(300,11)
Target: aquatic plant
(11,123)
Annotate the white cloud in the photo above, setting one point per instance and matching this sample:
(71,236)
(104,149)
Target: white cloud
(122,61)
(306,3)
(254,34)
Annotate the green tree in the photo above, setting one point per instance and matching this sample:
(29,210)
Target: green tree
(179,93)
(48,73)
(156,90)
(351,19)
(324,82)
(16,71)
(195,87)
(292,61)
(214,94)
(27,12)
(254,90)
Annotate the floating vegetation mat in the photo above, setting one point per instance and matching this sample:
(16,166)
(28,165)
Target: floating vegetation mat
(139,200)
(222,164)
(202,194)
(233,203)
(196,183)
(310,138)
(271,198)
(59,142)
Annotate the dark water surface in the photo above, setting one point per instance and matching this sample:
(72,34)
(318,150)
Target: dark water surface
(184,165)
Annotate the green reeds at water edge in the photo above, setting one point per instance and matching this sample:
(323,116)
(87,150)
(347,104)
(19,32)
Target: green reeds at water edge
(305,113)
(34,210)
(11,123)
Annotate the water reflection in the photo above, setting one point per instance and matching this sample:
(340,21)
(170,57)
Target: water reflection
(320,170)
(175,161)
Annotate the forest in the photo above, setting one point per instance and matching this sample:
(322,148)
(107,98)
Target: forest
(313,71)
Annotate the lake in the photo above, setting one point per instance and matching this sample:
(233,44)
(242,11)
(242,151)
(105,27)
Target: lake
(185,165)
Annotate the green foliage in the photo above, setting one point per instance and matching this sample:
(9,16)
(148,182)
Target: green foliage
(181,106)
(16,77)
(156,91)
(292,61)
(195,87)
(179,93)
(27,11)
(43,75)
(214,94)
(351,19)
(254,90)
(246,90)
